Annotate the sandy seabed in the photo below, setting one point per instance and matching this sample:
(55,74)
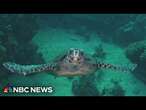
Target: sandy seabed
(53,42)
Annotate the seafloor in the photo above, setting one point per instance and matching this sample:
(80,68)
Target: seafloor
(53,41)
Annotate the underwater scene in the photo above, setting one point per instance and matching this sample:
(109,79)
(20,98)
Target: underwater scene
(72,54)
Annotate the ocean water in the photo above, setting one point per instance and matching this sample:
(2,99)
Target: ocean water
(58,33)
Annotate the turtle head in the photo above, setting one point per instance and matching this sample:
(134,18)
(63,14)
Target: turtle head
(75,56)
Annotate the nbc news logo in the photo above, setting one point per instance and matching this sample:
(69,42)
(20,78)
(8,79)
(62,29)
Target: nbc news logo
(27,89)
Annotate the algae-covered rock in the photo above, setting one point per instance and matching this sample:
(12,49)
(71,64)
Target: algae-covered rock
(131,31)
(115,90)
(143,55)
(136,52)
(26,29)
(2,33)
(3,56)
(85,86)
(2,53)
(2,36)
(99,52)
(16,32)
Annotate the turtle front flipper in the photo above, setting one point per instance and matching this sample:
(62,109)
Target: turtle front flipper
(28,69)
(122,68)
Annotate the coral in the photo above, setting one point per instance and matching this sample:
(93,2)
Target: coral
(136,52)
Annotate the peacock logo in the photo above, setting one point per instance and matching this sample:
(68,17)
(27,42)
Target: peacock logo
(7,88)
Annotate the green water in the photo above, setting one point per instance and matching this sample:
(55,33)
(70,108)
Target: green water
(54,41)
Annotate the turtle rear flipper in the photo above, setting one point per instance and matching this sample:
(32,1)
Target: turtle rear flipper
(28,69)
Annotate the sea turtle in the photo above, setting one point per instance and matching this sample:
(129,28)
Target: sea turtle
(74,62)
